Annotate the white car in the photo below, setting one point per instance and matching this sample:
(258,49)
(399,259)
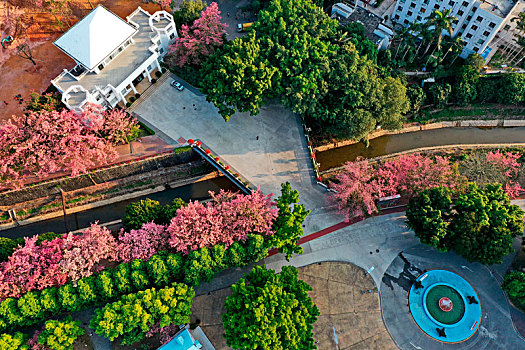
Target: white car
(177,85)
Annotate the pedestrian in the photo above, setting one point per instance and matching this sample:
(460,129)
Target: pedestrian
(5,102)
(257,138)
(228,14)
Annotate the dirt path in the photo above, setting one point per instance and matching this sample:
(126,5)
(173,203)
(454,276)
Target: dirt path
(18,76)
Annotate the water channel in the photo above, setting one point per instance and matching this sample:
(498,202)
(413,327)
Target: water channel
(195,191)
(428,138)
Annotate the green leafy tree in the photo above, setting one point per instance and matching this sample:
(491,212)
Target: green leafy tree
(355,33)
(133,316)
(480,226)
(47,102)
(138,213)
(269,311)
(514,285)
(13,342)
(485,224)
(288,227)
(514,89)
(60,335)
(7,247)
(190,10)
(428,215)
(465,88)
(199,266)
(237,76)
(416,95)
(439,94)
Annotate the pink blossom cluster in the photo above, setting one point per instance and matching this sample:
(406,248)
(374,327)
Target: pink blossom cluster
(508,163)
(143,243)
(228,218)
(53,263)
(360,184)
(41,143)
(200,40)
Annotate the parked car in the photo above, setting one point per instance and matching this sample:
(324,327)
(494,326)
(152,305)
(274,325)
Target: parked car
(177,85)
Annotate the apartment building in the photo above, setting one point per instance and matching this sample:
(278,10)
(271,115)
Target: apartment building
(478,22)
(112,55)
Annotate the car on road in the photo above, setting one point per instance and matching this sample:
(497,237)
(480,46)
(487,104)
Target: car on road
(177,85)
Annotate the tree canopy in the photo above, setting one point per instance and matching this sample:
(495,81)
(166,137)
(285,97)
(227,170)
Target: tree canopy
(299,54)
(268,311)
(480,225)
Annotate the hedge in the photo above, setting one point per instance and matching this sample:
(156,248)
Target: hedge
(133,316)
(112,283)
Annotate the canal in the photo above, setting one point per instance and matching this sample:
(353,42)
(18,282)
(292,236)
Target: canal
(389,144)
(195,191)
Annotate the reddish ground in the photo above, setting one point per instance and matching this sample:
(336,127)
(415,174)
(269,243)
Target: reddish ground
(18,76)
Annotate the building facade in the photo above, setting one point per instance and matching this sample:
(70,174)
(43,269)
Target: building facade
(478,22)
(112,55)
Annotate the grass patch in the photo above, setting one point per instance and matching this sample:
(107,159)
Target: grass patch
(4,217)
(145,130)
(182,149)
(479,110)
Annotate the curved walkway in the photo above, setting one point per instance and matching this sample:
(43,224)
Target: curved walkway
(269,149)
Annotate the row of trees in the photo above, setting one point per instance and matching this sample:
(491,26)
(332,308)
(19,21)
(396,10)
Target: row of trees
(479,225)
(361,183)
(44,142)
(157,270)
(56,335)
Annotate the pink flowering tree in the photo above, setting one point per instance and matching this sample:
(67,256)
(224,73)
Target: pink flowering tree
(142,243)
(360,184)
(32,267)
(83,254)
(199,41)
(44,142)
(508,164)
(229,218)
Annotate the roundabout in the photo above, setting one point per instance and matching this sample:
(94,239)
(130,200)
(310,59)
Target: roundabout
(444,306)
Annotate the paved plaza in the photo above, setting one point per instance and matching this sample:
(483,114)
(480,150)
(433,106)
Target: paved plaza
(337,290)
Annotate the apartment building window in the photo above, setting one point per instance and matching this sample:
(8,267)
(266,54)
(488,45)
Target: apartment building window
(486,33)
(412,5)
(451,3)
(423,10)
(460,13)
(476,49)
(436,6)
(418,18)
(468,36)
(464,4)
(400,8)
(172,35)
(474,27)
(464,26)
(396,17)
(409,13)
(406,21)
(492,24)
(479,18)
(480,41)
(507,27)
(425,2)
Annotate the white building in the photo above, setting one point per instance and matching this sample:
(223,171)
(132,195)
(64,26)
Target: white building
(112,55)
(375,28)
(478,22)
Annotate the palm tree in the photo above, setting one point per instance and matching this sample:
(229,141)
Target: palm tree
(456,45)
(441,21)
(401,38)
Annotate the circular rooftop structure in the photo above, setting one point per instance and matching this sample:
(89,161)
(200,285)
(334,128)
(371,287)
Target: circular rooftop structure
(444,306)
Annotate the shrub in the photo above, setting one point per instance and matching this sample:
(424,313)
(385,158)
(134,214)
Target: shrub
(60,335)
(137,95)
(138,213)
(133,316)
(48,236)
(158,74)
(128,104)
(13,342)
(153,81)
(7,247)
(439,94)
(514,285)
(132,99)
